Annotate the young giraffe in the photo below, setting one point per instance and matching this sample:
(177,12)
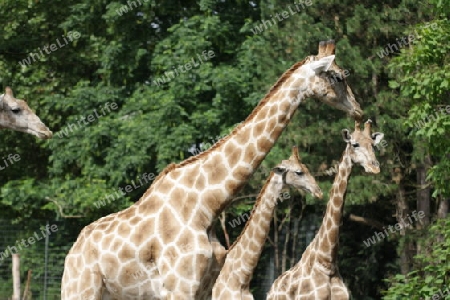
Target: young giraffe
(316,275)
(15,114)
(242,258)
(164,236)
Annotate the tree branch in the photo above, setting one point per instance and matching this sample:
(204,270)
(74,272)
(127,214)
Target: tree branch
(366,221)
(222,218)
(61,209)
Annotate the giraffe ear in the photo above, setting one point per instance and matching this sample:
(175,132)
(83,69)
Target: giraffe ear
(346,135)
(322,65)
(377,137)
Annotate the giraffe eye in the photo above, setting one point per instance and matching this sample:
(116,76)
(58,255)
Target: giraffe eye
(355,145)
(299,173)
(15,110)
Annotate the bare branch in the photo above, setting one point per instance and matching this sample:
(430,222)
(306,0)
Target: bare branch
(222,218)
(61,209)
(366,221)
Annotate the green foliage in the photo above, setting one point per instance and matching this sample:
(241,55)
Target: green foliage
(422,76)
(119,58)
(432,268)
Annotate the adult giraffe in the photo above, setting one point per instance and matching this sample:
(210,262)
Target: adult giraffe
(15,114)
(159,248)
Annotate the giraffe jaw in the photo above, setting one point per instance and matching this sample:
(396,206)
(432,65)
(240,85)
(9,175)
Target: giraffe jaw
(354,110)
(318,195)
(373,168)
(41,132)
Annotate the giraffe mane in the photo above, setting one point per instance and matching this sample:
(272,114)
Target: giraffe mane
(261,104)
(257,203)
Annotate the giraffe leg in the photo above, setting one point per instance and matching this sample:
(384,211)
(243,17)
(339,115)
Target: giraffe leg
(79,288)
(183,282)
(79,284)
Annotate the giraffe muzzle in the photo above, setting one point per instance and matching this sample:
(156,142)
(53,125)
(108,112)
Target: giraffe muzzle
(318,194)
(41,131)
(374,167)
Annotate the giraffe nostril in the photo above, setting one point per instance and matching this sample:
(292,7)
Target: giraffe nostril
(375,163)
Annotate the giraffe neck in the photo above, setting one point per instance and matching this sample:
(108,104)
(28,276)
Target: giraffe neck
(328,236)
(246,250)
(229,163)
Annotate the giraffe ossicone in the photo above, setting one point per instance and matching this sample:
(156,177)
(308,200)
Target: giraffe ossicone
(182,203)
(316,275)
(234,279)
(15,114)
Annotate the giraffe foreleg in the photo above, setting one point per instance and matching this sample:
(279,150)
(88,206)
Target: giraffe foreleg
(183,276)
(79,284)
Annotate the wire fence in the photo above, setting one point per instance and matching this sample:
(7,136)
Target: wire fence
(41,251)
(265,272)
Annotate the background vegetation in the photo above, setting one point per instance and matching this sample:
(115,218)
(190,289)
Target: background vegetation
(120,55)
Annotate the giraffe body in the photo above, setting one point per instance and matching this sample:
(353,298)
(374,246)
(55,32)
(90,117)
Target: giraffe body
(242,258)
(164,236)
(15,114)
(316,275)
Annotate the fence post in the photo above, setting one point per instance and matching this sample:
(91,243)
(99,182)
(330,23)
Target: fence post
(16,276)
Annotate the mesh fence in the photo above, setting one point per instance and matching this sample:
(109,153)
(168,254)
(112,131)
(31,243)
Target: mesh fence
(265,272)
(40,251)
(43,248)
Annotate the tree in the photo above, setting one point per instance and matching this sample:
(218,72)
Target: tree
(136,55)
(421,74)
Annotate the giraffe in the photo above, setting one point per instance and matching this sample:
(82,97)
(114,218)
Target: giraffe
(316,275)
(242,258)
(164,235)
(15,114)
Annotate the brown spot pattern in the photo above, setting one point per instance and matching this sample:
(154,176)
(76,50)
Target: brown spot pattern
(168,226)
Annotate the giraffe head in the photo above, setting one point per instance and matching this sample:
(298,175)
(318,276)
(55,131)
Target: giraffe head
(360,145)
(328,82)
(297,175)
(15,114)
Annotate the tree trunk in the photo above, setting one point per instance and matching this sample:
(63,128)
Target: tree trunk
(423,192)
(275,242)
(26,291)
(297,222)
(295,234)
(401,213)
(443,209)
(402,210)
(286,241)
(284,252)
(222,219)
